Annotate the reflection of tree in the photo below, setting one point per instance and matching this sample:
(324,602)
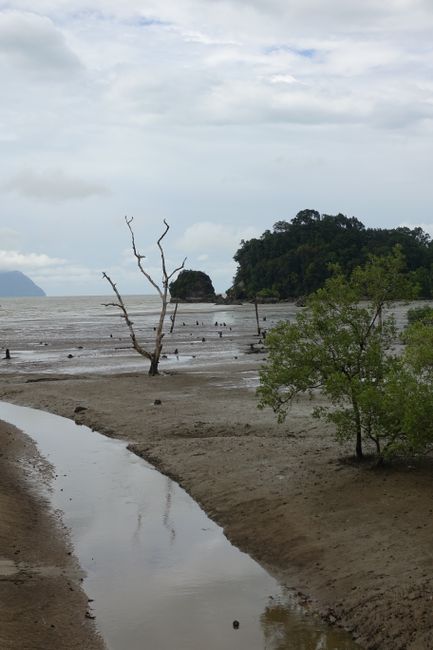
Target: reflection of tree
(285,629)
(166,520)
(138,527)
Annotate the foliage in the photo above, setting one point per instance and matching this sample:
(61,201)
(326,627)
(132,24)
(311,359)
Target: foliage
(192,284)
(344,347)
(268,294)
(418,339)
(295,258)
(424,313)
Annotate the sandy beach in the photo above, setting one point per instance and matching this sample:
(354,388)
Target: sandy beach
(354,541)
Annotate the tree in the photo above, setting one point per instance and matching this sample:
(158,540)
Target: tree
(163,292)
(295,257)
(194,286)
(342,344)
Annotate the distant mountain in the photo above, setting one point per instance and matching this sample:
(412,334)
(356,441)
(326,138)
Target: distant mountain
(16,284)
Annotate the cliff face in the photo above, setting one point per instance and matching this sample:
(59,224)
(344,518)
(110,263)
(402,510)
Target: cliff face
(192,286)
(16,284)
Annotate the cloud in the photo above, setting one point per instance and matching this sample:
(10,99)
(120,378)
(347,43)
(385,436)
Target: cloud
(8,237)
(208,237)
(282,79)
(53,185)
(16,261)
(32,42)
(242,111)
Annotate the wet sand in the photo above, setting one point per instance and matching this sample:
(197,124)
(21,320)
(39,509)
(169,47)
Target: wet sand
(356,542)
(42,606)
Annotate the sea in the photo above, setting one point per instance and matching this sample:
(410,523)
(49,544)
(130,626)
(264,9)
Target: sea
(86,334)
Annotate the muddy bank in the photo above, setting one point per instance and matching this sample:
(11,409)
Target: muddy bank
(357,541)
(41,602)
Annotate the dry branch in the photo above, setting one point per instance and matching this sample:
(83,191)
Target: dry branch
(163,294)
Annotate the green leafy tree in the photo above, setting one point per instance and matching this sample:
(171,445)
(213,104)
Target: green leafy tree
(192,284)
(424,313)
(295,257)
(343,344)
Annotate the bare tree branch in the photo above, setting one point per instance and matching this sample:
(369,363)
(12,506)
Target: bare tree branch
(179,268)
(164,270)
(163,294)
(140,257)
(121,305)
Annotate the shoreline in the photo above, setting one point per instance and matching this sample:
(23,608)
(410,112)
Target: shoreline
(357,541)
(42,604)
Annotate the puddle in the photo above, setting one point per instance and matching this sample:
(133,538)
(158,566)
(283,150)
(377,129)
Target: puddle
(7,568)
(161,573)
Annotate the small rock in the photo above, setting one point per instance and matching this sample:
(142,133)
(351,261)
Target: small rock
(235,625)
(157,402)
(80,409)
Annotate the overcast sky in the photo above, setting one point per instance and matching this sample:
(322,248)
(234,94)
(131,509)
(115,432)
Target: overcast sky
(222,116)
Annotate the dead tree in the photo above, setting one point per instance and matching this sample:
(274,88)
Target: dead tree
(163,292)
(173,317)
(257,316)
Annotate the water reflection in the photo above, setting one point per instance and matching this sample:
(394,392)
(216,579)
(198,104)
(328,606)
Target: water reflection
(285,629)
(161,573)
(168,523)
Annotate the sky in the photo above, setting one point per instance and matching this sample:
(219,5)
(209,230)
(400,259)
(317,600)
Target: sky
(220,116)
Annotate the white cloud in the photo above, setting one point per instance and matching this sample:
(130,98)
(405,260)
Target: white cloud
(244,111)
(207,237)
(16,261)
(53,185)
(33,43)
(8,237)
(282,79)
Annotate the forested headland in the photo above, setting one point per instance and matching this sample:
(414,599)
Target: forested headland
(296,257)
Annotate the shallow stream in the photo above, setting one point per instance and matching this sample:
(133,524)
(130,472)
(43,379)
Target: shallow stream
(161,574)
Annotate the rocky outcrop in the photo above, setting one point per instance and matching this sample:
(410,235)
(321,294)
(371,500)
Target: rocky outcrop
(192,286)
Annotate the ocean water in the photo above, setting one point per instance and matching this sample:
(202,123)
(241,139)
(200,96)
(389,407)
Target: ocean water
(42,333)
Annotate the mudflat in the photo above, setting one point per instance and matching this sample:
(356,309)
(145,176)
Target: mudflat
(42,606)
(355,541)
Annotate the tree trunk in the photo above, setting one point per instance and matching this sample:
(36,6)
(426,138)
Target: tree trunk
(380,458)
(153,370)
(173,318)
(359,452)
(257,316)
